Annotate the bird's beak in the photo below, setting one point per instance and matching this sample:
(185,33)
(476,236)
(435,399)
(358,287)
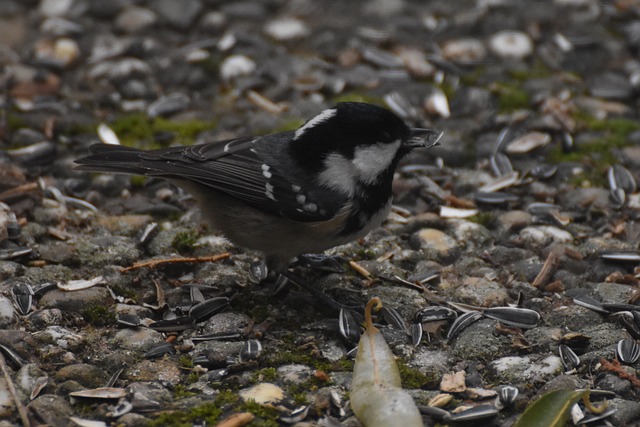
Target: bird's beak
(421,137)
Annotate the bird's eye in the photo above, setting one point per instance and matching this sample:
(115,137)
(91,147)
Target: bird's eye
(386,136)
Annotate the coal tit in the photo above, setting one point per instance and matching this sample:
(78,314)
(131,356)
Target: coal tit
(289,193)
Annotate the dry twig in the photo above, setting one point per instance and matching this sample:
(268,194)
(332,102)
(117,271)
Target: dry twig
(154,263)
(21,409)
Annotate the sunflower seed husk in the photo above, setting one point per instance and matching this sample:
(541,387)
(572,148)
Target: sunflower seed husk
(570,359)
(128,320)
(543,171)
(173,325)
(107,135)
(43,288)
(567,142)
(281,283)
(437,103)
(400,105)
(349,327)
(628,351)
(123,407)
(494,198)
(22,297)
(81,422)
(528,142)
(425,276)
(462,322)
(621,256)
(449,212)
(415,330)
(160,350)
(577,415)
(14,252)
(13,359)
(434,313)
(221,336)
(393,318)
(476,413)
(78,285)
(500,164)
(542,209)
(435,412)
(211,360)
(514,316)
(592,418)
(251,350)
(508,394)
(576,340)
(590,303)
(620,178)
(440,400)
(208,308)
(148,233)
(195,295)
(40,384)
(618,198)
(40,153)
(627,320)
(100,393)
(620,306)
(505,181)
(296,415)
(144,405)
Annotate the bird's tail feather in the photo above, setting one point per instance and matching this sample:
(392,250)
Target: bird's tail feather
(112,159)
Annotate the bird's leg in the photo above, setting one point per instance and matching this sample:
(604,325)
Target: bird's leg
(326,301)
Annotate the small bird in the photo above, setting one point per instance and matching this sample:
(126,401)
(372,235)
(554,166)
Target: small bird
(290,193)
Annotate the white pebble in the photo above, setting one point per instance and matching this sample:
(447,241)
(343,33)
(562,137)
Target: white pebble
(511,44)
(236,66)
(282,29)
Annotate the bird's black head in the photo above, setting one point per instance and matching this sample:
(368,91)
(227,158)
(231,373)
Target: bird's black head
(351,128)
(348,125)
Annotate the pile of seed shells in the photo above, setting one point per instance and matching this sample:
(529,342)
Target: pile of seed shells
(509,266)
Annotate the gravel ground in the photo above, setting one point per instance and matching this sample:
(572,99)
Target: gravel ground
(526,215)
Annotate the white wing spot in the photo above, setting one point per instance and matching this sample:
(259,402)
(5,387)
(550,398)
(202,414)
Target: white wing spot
(269,191)
(265,171)
(310,207)
(323,116)
(301,198)
(296,188)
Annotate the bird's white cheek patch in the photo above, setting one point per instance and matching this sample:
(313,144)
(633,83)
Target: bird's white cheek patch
(338,174)
(324,115)
(370,161)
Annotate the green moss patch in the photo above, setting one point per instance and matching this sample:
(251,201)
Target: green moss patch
(140,131)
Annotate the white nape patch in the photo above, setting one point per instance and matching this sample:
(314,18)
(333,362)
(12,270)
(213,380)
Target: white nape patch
(301,198)
(310,207)
(323,116)
(371,160)
(265,171)
(338,174)
(269,191)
